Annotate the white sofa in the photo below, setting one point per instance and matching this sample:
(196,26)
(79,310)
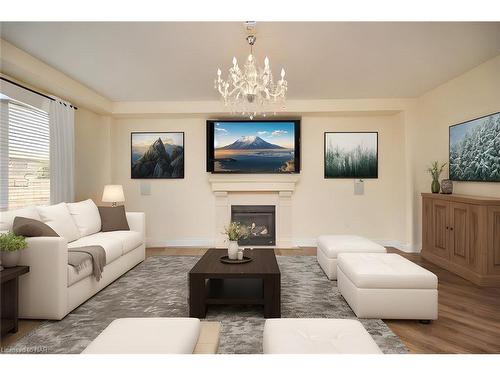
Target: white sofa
(53,288)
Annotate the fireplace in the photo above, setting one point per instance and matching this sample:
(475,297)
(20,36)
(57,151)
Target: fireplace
(260,221)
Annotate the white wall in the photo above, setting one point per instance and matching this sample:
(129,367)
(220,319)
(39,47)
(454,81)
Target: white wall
(92,154)
(182,212)
(413,132)
(471,95)
(323,206)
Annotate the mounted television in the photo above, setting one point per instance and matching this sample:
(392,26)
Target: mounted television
(253,146)
(475,150)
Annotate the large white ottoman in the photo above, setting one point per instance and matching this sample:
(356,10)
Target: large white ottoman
(387,286)
(330,246)
(317,336)
(147,336)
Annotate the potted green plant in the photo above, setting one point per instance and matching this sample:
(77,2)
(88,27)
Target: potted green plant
(234,232)
(10,244)
(435,171)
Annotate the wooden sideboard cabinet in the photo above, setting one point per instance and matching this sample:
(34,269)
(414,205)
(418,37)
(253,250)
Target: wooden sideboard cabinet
(462,234)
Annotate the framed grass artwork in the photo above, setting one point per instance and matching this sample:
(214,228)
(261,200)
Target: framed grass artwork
(351,155)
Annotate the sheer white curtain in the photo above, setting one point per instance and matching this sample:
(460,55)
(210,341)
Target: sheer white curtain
(62,151)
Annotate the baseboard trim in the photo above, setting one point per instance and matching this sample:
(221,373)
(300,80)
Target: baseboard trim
(188,242)
(406,247)
(299,242)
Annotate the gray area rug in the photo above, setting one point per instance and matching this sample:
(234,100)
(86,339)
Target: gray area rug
(158,287)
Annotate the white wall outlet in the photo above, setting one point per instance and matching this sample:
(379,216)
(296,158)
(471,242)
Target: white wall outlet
(359,187)
(145,188)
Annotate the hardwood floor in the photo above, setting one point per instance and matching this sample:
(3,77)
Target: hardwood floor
(469,315)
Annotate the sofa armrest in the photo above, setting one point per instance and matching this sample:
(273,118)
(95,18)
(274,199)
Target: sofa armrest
(43,291)
(137,222)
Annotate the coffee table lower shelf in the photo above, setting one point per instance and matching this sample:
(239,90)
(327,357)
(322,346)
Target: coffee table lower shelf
(234,291)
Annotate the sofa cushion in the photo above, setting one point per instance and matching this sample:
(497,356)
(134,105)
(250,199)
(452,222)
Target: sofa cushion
(317,336)
(332,245)
(147,336)
(26,227)
(7,217)
(385,271)
(113,218)
(112,246)
(130,239)
(86,217)
(58,218)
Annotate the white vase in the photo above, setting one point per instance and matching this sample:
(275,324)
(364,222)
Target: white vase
(10,258)
(232,250)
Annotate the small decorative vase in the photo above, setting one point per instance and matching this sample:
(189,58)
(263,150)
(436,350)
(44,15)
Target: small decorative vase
(435,186)
(10,258)
(447,187)
(232,250)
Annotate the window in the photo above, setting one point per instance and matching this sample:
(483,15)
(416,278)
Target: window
(24,155)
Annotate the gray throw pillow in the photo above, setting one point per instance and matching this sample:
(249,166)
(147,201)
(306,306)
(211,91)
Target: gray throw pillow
(23,226)
(113,218)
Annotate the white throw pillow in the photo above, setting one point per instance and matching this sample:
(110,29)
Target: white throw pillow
(7,217)
(86,217)
(58,218)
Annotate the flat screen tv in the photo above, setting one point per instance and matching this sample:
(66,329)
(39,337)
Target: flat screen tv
(271,146)
(475,150)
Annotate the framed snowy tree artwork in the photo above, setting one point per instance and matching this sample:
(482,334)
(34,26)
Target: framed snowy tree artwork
(475,150)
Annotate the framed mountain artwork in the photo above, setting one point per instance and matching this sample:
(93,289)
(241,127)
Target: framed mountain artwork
(351,155)
(475,150)
(157,155)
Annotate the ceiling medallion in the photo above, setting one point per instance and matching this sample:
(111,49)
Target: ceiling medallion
(252,91)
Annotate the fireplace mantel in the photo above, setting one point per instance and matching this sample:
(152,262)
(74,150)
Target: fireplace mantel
(247,189)
(250,183)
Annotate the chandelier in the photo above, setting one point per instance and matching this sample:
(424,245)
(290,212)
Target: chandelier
(252,91)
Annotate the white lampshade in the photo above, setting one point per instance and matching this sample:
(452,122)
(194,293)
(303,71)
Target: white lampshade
(113,194)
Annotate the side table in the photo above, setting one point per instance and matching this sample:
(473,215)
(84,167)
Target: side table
(9,278)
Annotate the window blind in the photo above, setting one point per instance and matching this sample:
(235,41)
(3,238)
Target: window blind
(25,145)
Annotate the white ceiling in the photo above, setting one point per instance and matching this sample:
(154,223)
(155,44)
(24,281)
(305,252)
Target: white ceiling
(138,61)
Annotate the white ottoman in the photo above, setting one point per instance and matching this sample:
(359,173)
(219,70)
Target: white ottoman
(317,336)
(330,246)
(147,336)
(387,286)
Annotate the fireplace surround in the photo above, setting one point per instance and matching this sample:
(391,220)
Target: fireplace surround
(260,221)
(271,190)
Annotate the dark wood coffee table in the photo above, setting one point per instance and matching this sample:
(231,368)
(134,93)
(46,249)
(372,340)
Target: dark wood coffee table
(258,282)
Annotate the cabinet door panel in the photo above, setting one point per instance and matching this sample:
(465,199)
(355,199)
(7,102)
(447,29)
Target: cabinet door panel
(494,240)
(440,228)
(459,246)
(474,232)
(427,229)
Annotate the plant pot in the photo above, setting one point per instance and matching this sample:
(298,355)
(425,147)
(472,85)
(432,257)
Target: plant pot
(10,258)
(435,186)
(447,187)
(232,250)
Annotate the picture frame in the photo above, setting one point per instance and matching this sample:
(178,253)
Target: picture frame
(460,169)
(157,155)
(350,155)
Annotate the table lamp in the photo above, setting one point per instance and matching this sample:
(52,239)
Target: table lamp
(113,194)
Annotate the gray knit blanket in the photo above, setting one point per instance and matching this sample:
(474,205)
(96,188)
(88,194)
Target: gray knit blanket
(78,255)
